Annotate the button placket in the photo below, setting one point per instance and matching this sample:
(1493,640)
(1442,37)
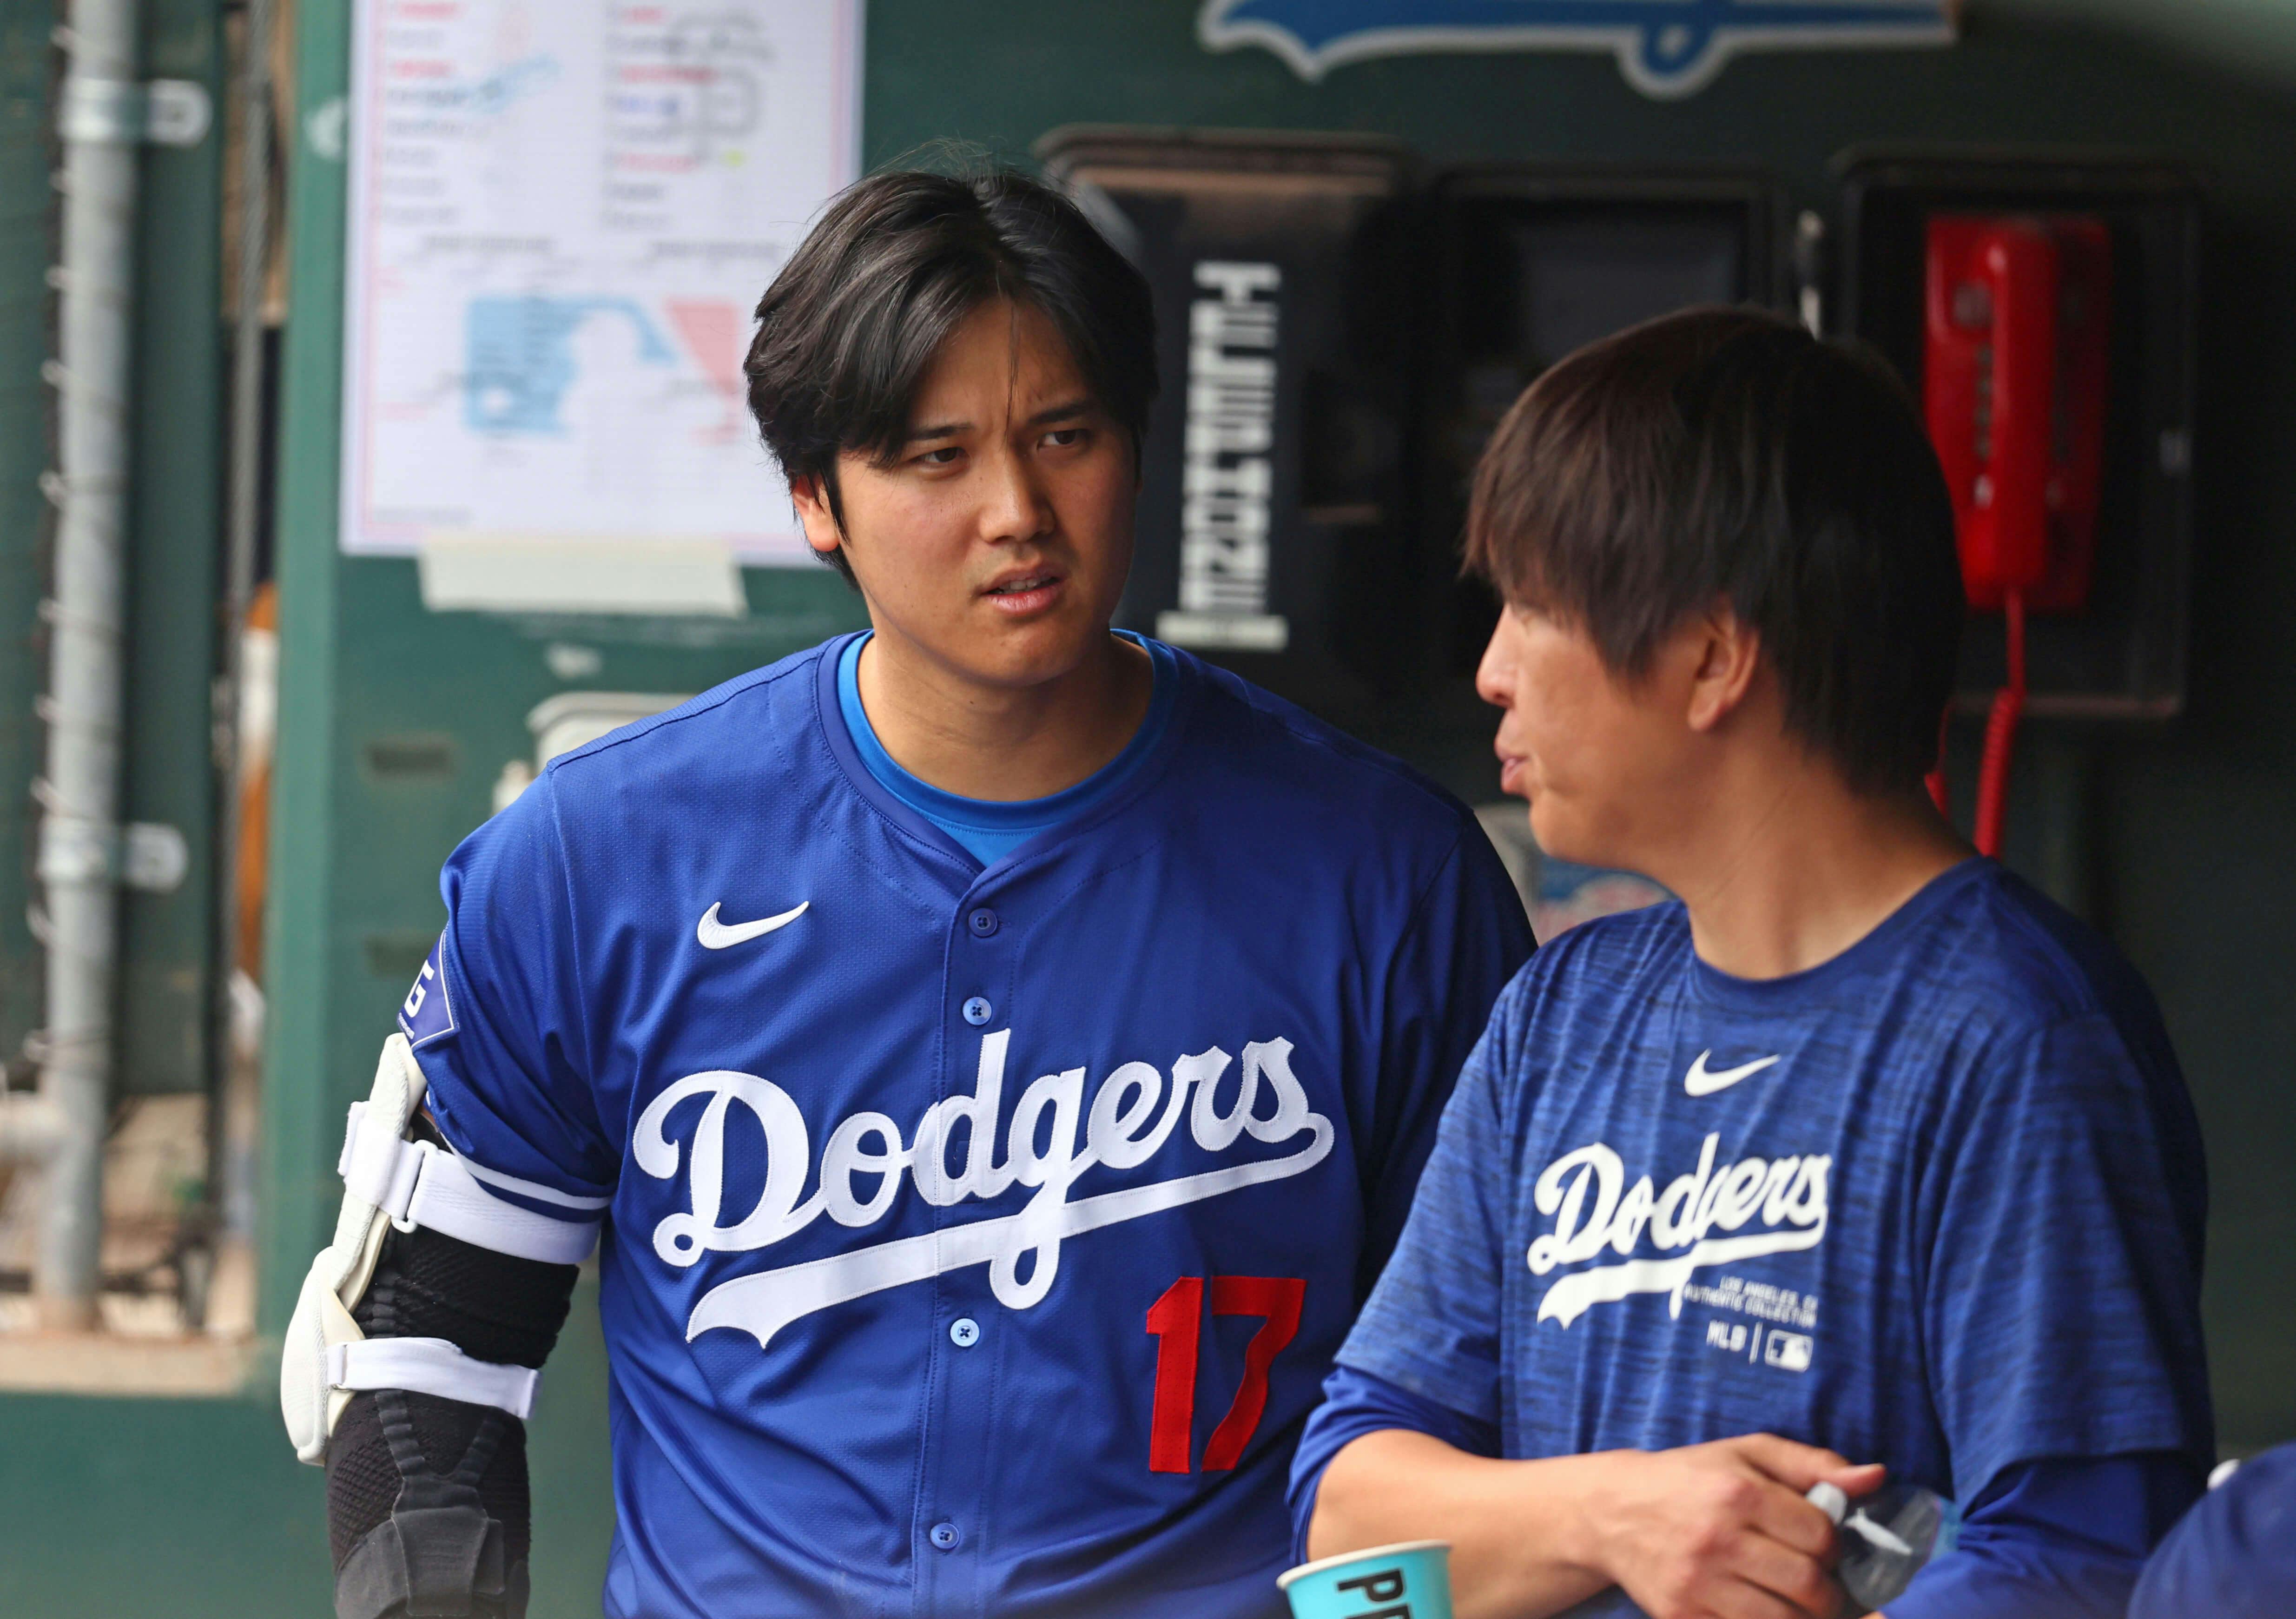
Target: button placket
(962,1378)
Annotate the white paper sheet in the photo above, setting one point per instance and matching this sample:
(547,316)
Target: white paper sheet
(562,213)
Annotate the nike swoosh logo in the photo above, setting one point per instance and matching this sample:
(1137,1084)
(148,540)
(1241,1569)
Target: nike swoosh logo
(712,934)
(1699,1082)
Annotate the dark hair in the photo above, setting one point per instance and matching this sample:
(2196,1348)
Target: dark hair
(851,325)
(1722,454)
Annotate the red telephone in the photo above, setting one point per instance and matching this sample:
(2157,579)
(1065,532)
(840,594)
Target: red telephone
(2016,365)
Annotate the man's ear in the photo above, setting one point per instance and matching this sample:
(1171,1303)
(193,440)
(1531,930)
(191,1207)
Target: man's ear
(1729,658)
(811,497)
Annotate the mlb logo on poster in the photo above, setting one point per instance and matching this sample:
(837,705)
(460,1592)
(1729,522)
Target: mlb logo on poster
(1665,48)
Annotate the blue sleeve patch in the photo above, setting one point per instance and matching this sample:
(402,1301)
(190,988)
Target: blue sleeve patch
(426,1014)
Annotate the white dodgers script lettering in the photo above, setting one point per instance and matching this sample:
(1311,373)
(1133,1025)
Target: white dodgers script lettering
(1789,1195)
(952,1156)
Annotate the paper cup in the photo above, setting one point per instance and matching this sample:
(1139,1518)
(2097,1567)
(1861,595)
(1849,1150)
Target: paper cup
(1411,1580)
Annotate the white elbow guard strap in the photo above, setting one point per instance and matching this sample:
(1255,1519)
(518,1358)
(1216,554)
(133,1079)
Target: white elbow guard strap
(389,1180)
(431,1366)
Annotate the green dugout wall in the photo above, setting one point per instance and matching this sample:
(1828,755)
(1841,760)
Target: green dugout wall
(395,721)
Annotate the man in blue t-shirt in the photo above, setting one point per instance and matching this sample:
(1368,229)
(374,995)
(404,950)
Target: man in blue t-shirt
(1862,1160)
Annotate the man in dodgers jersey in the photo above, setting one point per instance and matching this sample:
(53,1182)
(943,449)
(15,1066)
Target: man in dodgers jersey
(997,1055)
(1864,1155)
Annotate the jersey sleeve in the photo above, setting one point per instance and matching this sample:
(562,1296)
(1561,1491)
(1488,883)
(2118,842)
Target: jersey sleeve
(2061,1308)
(1433,1324)
(2054,1539)
(496,1018)
(1467,938)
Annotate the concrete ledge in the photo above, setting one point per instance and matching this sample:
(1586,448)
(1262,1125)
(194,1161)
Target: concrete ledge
(109,1363)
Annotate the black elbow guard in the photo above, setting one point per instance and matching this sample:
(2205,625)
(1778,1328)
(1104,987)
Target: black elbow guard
(426,1502)
(427,1509)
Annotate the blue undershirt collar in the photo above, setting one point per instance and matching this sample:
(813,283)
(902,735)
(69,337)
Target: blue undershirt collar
(987,829)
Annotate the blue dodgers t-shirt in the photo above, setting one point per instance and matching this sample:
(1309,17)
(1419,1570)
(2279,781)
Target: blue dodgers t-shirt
(1937,1202)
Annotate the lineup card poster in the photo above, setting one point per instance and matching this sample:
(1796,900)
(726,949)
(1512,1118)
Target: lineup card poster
(562,213)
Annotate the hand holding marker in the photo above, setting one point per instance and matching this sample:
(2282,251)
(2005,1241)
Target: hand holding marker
(1892,1536)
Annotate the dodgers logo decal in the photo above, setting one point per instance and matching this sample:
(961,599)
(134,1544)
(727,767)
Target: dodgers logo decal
(1665,48)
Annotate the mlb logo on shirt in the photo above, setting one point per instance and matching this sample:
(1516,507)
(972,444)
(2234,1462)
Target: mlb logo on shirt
(1789,1352)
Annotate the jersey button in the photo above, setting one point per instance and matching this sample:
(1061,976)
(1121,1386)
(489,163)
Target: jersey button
(978,1011)
(983,921)
(944,1536)
(965,1332)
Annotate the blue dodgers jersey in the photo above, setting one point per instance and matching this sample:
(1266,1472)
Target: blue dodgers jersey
(1938,1203)
(977,1239)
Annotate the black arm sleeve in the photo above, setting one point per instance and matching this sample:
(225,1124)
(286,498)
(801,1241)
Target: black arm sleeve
(401,1466)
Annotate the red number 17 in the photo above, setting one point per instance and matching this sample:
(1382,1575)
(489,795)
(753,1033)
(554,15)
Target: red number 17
(1175,1320)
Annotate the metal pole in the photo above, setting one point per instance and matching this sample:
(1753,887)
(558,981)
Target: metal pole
(79,826)
(246,420)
